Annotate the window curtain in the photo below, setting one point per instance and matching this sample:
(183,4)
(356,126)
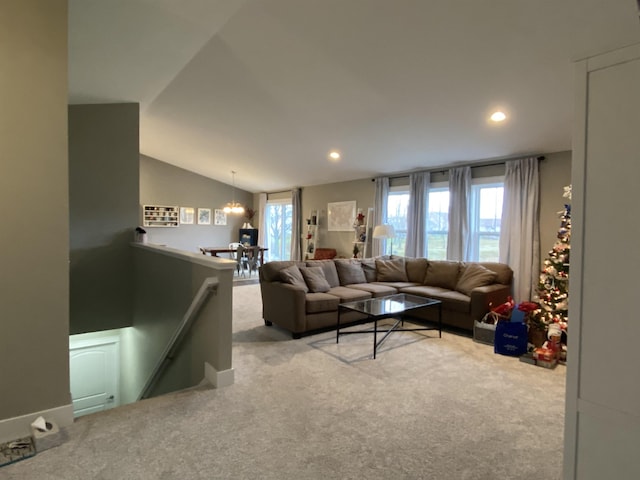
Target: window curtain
(519,229)
(458,239)
(296,224)
(262,221)
(379,212)
(417,214)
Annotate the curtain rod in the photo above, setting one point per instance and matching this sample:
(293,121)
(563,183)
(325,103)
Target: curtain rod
(469,164)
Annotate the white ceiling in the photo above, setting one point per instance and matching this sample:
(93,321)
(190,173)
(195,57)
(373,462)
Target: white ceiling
(268,87)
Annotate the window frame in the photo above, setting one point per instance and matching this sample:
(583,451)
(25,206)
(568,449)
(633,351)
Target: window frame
(270,252)
(474,216)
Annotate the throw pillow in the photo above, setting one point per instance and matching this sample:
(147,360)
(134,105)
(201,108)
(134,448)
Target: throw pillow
(293,276)
(391,270)
(369,268)
(329,269)
(315,279)
(442,273)
(350,271)
(475,276)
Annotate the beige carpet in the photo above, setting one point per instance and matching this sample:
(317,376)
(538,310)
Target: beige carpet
(426,408)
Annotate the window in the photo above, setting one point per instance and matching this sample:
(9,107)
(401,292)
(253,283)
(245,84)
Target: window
(437,222)
(397,209)
(485,217)
(278,223)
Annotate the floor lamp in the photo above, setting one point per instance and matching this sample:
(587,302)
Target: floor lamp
(384,232)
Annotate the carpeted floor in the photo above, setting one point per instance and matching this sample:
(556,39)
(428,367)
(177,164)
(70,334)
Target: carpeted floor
(426,408)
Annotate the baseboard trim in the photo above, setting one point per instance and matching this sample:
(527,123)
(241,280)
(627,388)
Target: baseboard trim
(17,427)
(218,379)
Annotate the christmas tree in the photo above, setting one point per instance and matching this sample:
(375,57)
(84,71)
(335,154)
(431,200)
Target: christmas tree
(553,287)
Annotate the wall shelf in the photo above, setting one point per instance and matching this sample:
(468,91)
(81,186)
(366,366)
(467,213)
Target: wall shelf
(160,216)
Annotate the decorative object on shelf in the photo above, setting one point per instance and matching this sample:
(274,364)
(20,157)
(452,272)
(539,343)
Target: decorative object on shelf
(233,206)
(186,215)
(204,216)
(219,217)
(160,216)
(385,232)
(312,235)
(356,250)
(249,213)
(340,216)
(140,235)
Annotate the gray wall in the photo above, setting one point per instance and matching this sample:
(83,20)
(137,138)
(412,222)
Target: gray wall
(555,173)
(317,197)
(34,238)
(103,212)
(165,184)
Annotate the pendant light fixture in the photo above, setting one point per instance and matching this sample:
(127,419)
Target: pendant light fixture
(233,206)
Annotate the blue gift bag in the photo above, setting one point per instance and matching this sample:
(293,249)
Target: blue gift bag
(511,338)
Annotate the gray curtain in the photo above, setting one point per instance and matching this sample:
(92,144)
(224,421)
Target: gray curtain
(519,228)
(380,212)
(458,241)
(296,224)
(417,214)
(262,224)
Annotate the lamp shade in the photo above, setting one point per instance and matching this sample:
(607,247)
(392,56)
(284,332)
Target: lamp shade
(384,231)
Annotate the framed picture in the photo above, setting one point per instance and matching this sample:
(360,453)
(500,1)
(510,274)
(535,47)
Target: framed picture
(341,216)
(186,215)
(220,217)
(204,216)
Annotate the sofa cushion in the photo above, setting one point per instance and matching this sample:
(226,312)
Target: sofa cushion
(442,273)
(315,279)
(369,269)
(375,289)
(416,269)
(293,276)
(503,271)
(321,302)
(346,294)
(474,275)
(329,268)
(451,300)
(350,271)
(391,270)
(270,271)
(397,285)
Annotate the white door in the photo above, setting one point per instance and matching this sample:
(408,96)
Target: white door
(94,375)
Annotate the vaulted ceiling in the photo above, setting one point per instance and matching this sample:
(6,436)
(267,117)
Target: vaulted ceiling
(268,87)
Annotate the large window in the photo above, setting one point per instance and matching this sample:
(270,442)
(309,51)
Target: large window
(397,209)
(278,222)
(486,214)
(437,222)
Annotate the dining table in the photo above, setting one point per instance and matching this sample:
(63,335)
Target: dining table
(214,251)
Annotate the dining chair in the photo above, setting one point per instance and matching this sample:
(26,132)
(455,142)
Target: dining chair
(241,259)
(253,258)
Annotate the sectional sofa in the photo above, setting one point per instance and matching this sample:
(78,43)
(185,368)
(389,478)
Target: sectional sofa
(303,297)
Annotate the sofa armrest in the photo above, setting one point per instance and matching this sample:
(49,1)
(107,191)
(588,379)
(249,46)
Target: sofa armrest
(284,305)
(482,297)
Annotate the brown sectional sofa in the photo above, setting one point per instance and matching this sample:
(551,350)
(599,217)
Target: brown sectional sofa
(303,297)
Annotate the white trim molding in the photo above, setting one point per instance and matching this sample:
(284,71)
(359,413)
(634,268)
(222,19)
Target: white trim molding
(18,427)
(218,379)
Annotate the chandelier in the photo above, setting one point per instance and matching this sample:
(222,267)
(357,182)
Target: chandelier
(233,206)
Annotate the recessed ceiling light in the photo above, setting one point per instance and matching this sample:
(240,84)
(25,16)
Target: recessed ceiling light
(334,155)
(498,116)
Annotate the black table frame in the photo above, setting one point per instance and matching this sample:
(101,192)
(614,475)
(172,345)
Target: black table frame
(352,306)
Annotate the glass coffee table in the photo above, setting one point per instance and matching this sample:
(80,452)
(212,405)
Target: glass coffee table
(392,306)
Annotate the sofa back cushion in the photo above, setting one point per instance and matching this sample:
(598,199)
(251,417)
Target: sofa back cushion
(391,270)
(416,269)
(442,273)
(503,271)
(329,269)
(350,271)
(474,275)
(315,279)
(293,276)
(270,271)
(369,269)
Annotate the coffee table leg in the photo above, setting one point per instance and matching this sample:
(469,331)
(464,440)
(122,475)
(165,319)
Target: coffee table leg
(440,320)
(338,326)
(375,337)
